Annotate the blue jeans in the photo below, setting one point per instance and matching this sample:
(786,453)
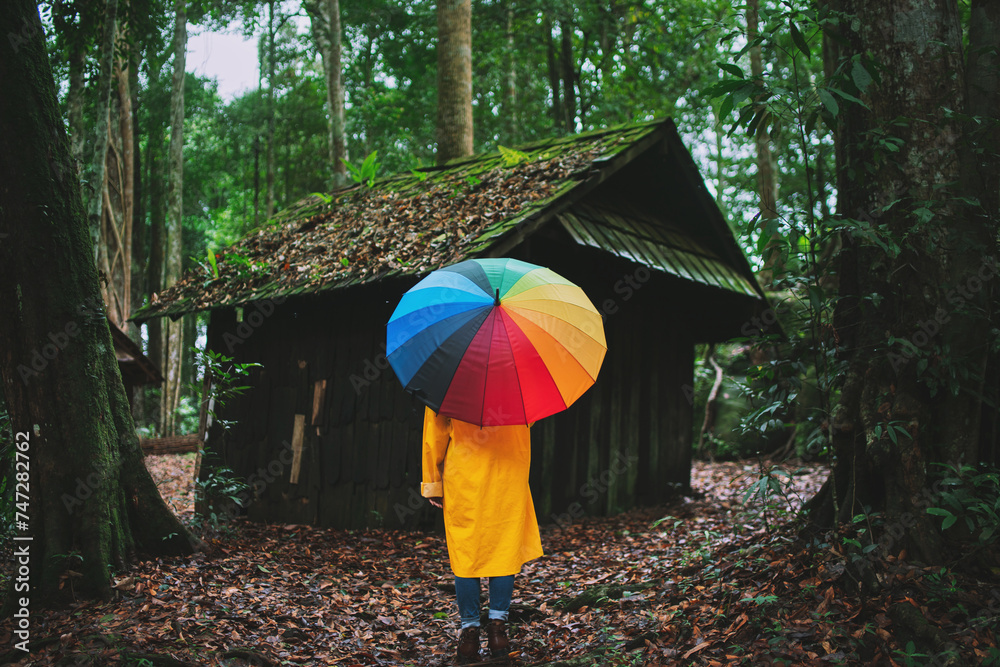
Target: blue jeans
(467,590)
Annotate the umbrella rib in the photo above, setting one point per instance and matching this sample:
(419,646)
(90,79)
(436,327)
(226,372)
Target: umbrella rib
(486,373)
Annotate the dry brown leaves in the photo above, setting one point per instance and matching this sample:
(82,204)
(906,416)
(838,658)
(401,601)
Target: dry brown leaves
(366,233)
(726,591)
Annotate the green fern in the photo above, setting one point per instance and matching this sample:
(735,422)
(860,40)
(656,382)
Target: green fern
(512,157)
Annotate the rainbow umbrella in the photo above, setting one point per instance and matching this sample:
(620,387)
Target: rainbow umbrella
(496,341)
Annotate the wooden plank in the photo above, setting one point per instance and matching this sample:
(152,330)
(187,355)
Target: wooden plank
(632,378)
(298,433)
(360,446)
(179,444)
(370,471)
(302,394)
(381,477)
(397,453)
(319,401)
(616,410)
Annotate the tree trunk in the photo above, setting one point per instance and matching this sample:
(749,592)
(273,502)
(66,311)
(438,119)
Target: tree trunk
(512,120)
(767,179)
(116,225)
(552,61)
(568,74)
(269,157)
(174,347)
(96,147)
(454,79)
(324,16)
(74,101)
(157,230)
(924,324)
(983,89)
(89,493)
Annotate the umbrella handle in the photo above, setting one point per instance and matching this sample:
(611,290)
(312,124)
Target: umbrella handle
(496,301)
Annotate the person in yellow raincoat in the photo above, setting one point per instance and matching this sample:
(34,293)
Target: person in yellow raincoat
(479,476)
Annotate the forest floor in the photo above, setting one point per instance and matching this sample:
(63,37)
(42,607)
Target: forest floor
(704,580)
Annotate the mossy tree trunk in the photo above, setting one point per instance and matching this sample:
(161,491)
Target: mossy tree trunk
(93,505)
(915,277)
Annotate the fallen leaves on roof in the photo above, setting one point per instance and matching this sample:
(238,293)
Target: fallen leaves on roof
(407,224)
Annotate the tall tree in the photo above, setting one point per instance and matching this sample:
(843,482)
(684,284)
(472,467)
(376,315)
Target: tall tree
(118,196)
(92,501)
(269,55)
(454,57)
(95,125)
(324,16)
(174,340)
(767,176)
(914,303)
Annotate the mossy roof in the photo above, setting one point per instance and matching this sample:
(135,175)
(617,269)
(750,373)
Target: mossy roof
(406,224)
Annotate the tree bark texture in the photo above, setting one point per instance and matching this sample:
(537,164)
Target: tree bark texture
(767,177)
(96,146)
(115,255)
(454,79)
(983,88)
(269,157)
(174,339)
(914,318)
(552,61)
(512,123)
(324,16)
(568,73)
(90,494)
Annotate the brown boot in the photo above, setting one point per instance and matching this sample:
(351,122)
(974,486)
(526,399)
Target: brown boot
(496,635)
(468,645)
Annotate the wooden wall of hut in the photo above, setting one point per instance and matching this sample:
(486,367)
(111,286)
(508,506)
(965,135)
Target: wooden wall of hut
(327,436)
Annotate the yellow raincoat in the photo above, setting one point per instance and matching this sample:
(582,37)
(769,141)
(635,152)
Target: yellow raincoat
(482,474)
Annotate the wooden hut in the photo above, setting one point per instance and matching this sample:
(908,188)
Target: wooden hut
(327,436)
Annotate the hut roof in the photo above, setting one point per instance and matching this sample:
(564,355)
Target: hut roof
(484,205)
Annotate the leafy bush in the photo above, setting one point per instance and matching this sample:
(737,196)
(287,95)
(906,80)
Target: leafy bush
(970,495)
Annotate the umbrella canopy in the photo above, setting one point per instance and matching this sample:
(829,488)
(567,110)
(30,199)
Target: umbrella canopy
(496,342)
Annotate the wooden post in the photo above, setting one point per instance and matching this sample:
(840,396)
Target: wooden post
(298,433)
(319,398)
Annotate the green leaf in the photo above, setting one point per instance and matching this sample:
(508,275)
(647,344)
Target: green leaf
(369,168)
(862,79)
(726,109)
(827,99)
(949,518)
(211,261)
(799,40)
(923,215)
(344,261)
(847,96)
(731,69)
(816,298)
